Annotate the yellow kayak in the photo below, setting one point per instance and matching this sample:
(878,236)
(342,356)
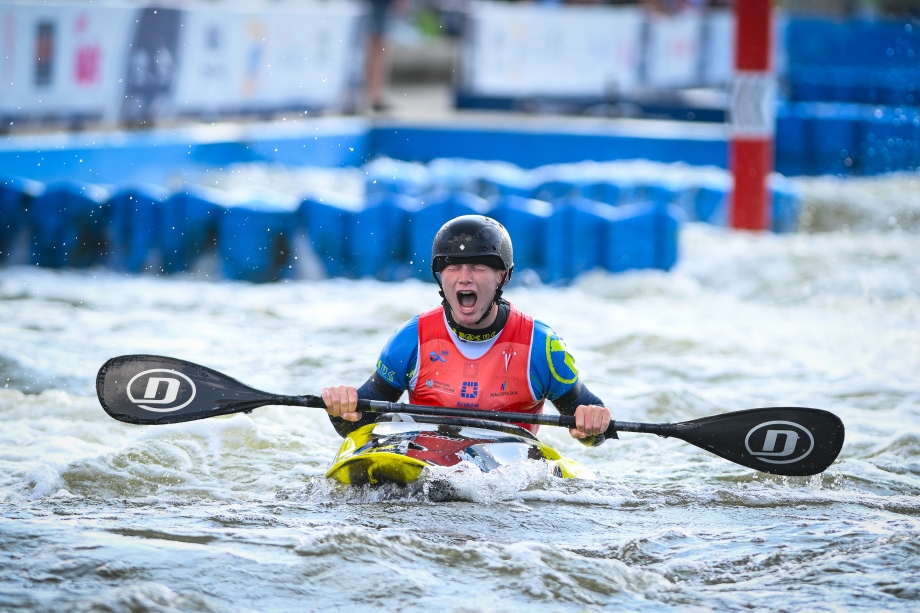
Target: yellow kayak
(399,451)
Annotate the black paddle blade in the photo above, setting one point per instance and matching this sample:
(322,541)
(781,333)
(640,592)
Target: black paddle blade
(150,389)
(791,441)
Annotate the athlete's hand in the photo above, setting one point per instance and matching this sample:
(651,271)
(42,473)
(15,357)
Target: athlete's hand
(341,402)
(590,419)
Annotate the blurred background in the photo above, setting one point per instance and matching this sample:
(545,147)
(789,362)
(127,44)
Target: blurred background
(341,109)
(226,58)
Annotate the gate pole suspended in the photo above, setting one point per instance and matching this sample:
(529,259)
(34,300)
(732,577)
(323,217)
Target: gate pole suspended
(752,115)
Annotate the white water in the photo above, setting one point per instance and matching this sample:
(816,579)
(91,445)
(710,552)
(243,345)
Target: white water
(232,514)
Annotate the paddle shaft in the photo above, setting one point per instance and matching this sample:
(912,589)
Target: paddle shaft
(566,421)
(147,389)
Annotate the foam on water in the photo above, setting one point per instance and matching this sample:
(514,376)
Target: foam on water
(446,173)
(881,203)
(299,182)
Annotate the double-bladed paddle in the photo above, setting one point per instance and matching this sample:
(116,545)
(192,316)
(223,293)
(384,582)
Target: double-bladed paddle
(149,389)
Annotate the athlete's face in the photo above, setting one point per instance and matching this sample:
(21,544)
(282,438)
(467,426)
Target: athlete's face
(469,289)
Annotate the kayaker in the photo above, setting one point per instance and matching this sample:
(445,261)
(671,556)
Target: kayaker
(475,350)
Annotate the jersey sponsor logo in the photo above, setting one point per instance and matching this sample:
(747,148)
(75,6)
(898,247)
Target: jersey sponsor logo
(779,442)
(470,389)
(504,391)
(385,371)
(162,387)
(440,386)
(468,405)
(508,353)
(476,337)
(554,347)
(435,357)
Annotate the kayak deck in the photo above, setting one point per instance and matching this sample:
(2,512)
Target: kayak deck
(399,451)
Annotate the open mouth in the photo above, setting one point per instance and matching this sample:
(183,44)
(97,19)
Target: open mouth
(467,301)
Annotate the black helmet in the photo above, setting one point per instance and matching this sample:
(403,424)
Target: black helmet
(471,239)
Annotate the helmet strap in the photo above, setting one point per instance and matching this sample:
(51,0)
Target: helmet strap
(488,312)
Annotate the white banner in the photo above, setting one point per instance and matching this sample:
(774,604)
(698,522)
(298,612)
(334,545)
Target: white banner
(719,48)
(133,63)
(673,52)
(61,59)
(530,50)
(236,61)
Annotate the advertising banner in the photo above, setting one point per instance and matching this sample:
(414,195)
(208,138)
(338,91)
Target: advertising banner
(599,52)
(718,48)
(134,64)
(551,50)
(152,63)
(247,61)
(673,50)
(61,59)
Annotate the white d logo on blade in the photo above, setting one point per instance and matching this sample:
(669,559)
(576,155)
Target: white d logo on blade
(781,440)
(161,390)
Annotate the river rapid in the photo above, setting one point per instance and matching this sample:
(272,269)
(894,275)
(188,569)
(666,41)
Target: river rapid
(234,514)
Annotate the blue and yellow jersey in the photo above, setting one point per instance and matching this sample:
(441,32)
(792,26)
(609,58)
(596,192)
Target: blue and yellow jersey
(552,368)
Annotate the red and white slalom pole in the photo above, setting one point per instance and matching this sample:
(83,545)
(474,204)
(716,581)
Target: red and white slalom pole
(752,115)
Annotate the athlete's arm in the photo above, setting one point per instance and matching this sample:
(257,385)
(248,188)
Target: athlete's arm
(580,397)
(395,368)
(575,397)
(553,376)
(375,388)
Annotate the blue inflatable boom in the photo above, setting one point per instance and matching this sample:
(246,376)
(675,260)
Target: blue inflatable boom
(68,224)
(564,220)
(189,228)
(136,218)
(386,236)
(16,195)
(255,237)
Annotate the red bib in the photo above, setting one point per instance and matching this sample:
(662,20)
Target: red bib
(497,381)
